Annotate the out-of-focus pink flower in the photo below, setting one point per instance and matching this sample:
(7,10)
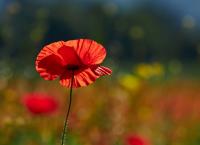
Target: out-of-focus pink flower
(136,140)
(40,104)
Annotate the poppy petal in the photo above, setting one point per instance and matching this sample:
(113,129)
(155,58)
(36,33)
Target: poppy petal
(82,57)
(102,70)
(50,67)
(39,104)
(69,55)
(89,51)
(81,79)
(48,63)
(86,77)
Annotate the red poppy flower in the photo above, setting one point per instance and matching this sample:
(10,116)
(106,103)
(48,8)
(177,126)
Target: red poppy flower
(136,140)
(39,104)
(81,57)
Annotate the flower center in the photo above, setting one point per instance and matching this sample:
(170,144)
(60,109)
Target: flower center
(72,67)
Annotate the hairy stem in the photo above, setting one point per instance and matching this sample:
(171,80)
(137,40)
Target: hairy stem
(68,110)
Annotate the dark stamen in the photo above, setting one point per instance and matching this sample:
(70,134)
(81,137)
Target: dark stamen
(72,67)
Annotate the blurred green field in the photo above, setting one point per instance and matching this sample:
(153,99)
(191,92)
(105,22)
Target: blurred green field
(152,101)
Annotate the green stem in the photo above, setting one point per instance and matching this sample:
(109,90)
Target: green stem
(66,118)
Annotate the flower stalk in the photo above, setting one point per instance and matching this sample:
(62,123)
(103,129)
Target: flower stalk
(68,110)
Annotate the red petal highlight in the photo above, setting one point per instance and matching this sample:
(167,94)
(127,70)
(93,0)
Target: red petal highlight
(48,63)
(89,51)
(69,55)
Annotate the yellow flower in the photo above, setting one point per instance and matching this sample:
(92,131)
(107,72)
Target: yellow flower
(130,82)
(144,70)
(147,71)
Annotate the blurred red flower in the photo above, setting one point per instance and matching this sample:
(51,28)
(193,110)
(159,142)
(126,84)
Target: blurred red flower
(81,57)
(136,140)
(40,104)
